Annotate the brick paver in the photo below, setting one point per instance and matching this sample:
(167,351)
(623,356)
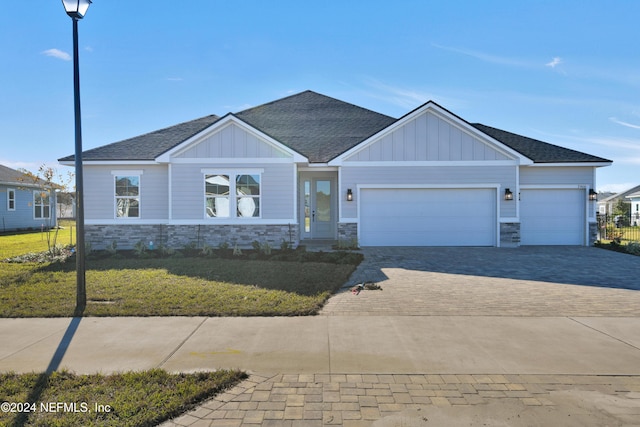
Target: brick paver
(526,281)
(324,399)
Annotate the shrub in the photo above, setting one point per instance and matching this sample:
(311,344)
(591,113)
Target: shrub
(634,248)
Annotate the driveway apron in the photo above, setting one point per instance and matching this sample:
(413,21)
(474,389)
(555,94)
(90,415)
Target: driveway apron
(525,281)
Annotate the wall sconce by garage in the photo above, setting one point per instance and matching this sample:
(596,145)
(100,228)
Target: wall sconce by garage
(593,196)
(508,195)
(349,195)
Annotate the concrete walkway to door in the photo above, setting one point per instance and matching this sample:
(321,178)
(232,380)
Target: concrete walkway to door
(525,281)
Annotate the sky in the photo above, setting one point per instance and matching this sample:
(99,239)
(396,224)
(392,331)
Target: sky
(565,72)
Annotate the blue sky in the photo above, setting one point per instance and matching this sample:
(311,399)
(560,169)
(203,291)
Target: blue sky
(566,72)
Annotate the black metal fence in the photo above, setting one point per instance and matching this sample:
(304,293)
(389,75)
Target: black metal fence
(619,228)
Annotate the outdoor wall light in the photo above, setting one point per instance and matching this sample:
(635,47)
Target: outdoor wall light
(593,196)
(76,8)
(349,195)
(508,195)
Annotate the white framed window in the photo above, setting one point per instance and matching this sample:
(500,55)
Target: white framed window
(127,196)
(11,199)
(41,204)
(232,194)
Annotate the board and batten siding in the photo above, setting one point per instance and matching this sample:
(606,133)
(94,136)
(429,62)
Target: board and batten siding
(277,187)
(427,138)
(99,197)
(351,177)
(231,142)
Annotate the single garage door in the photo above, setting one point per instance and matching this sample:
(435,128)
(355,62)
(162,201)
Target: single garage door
(427,217)
(552,216)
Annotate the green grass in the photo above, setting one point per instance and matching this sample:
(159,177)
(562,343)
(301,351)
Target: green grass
(34,241)
(129,399)
(171,287)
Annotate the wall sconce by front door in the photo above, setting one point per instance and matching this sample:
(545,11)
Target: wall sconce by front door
(593,196)
(508,195)
(349,195)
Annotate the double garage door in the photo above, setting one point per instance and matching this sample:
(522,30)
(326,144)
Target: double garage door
(428,217)
(467,217)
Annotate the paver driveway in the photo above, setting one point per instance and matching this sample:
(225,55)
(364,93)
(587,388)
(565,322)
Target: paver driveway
(525,281)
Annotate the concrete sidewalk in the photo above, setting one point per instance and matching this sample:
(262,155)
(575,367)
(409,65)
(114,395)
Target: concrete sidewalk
(364,371)
(327,344)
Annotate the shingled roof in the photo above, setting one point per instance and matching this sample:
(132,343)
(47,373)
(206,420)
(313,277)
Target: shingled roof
(148,146)
(14,177)
(315,125)
(318,127)
(538,151)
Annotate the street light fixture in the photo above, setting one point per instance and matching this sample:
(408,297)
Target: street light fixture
(76,9)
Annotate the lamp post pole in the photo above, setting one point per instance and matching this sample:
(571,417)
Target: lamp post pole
(76,9)
(81,291)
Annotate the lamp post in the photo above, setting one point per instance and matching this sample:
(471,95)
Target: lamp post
(76,9)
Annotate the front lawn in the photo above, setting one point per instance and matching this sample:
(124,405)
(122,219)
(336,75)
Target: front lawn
(187,286)
(139,399)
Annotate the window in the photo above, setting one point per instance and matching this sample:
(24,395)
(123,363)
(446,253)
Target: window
(248,195)
(41,204)
(127,196)
(217,195)
(11,199)
(232,195)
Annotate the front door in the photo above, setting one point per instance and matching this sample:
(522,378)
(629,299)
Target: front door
(318,221)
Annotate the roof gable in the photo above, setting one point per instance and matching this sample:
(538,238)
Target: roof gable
(431,133)
(230,138)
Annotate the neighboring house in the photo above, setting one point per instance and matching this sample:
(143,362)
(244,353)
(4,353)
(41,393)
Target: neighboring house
(312,167)
(635,207)
(25,203)
(606,205)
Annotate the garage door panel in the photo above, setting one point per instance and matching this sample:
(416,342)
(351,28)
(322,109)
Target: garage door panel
(552,216)
(428,217)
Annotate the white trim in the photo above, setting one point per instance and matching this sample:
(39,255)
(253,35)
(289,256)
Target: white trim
(227,160)
(584,187)
(497,187)
(233,196)
(229,119)
(9,199)
(34,192)
(430,163)
(441,114)
(318,167)
(127,172)
(580,164)
(112,162)
(170,190)
(232,171)
(115,197)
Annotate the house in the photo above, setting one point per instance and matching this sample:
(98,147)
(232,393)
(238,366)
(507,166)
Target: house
(634,198)
(25,202)
(313,167)
(606,205)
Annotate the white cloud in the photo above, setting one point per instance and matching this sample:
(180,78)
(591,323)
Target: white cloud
(57,53)
(620,122)
(617,187)
(555,61)
(486,57)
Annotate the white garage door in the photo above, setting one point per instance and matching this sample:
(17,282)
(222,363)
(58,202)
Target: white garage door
(427,217)
(552,217)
